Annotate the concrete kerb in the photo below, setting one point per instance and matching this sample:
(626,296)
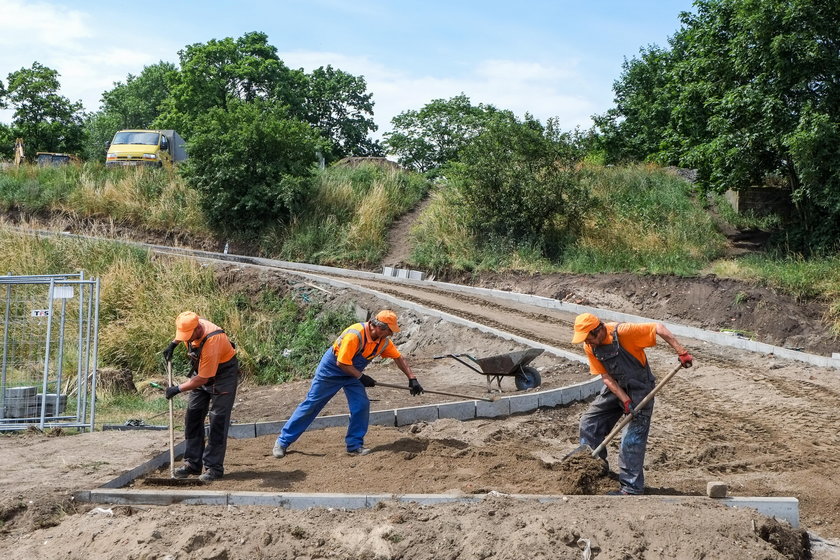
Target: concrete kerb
(783,508)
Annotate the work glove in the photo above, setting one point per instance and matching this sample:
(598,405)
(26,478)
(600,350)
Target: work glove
(367,380)
(628,406)
(414,387)
(167,353)
(686,359)
(172,390)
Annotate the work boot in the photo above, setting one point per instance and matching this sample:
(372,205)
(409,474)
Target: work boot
(359,451)
(210,476)
(184,471)
(279,451)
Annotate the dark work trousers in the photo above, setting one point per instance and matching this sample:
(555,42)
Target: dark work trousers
(217,398)
(606,410)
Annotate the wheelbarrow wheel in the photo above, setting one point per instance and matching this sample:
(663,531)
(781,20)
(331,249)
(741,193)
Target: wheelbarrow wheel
(527,378)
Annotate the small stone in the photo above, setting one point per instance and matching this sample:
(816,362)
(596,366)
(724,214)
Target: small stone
(716,489)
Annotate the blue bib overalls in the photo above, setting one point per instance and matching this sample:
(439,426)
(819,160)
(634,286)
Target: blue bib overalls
(328,380)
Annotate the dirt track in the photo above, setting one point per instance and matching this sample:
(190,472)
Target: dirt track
(763,425)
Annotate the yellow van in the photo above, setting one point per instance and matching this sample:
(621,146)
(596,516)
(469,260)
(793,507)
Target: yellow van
(146,147)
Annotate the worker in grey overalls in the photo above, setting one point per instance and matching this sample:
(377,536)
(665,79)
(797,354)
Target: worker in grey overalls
(212,386)
(616,352)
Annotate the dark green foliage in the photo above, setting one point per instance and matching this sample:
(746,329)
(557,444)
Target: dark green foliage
(749,89)
(338,105)
(518,182)
(435,135)
(45,120)
(249,162)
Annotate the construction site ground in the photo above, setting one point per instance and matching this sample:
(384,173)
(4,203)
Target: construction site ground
(765,426)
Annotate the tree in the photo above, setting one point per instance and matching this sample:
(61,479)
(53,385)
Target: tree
(752,89)
(47,121)
(250,161)
(434,135)
(224,72)
(137,102)
(517,182)
(338,104)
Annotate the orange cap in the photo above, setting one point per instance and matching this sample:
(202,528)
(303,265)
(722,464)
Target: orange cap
(584,323)
(389,318)
(185,324)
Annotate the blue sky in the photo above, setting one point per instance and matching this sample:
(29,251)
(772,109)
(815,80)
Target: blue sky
(554,58)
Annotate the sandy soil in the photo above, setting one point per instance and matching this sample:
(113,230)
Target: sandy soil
(761,424)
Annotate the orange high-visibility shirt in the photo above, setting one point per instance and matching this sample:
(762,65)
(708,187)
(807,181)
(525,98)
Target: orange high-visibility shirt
(633,337)
(347,344)
(217,350)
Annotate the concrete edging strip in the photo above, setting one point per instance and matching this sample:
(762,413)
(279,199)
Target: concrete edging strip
(784,508)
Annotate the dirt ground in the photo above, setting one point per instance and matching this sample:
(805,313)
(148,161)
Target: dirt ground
(763,425)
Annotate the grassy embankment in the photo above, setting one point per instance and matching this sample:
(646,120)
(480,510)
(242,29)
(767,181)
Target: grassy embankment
(280,337)
(643,220)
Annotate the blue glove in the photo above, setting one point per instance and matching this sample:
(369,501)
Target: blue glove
(172,390)
(367,381)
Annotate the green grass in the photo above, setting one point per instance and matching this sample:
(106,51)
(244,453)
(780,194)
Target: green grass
(348,217)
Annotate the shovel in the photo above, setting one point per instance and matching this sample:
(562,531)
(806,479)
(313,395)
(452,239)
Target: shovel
(624,421)
(468,397)
(171,481)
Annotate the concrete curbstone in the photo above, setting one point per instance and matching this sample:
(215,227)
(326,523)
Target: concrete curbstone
(334,421)
(242,431)
(484,409)
(524,403)
(383,418)
(458,410)
(266,428)
(410,415)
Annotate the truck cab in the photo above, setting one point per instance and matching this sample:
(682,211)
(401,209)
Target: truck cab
(156,148)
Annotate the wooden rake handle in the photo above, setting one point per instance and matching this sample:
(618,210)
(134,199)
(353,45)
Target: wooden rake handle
(468,397)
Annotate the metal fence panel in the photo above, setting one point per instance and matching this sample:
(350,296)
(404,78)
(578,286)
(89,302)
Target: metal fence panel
(49,363)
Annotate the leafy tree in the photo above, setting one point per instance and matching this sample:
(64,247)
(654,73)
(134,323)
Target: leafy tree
(47,121)
(220,73)
(137,102)
(337,104)
(517,182)
(250,161)
(751,89)
(434,135)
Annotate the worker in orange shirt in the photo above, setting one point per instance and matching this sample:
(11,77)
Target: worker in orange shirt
(212,387)
(616,351)
(340,368)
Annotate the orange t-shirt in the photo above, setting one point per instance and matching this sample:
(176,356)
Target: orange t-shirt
(633,337)
(217,350)
(347,345)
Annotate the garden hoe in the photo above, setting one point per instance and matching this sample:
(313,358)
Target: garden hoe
(171,481)
(585,449)
(468,397)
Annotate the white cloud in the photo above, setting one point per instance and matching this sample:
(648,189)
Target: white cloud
(544,91)
(41,23)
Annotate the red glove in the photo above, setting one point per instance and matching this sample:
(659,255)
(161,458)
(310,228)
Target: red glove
(628,406)
(686,359)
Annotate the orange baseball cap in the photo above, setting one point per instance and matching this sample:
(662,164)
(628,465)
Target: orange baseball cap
(185,324)
(389,318)
(584,323)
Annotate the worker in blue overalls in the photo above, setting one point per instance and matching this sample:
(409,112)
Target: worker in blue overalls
(341,367)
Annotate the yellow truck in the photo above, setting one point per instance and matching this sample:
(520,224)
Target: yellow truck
(146,147)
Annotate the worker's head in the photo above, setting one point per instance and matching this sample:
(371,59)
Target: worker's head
(185,325)
(386,319)
(586,324)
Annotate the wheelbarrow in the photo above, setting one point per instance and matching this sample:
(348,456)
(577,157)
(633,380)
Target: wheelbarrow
(513,364)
